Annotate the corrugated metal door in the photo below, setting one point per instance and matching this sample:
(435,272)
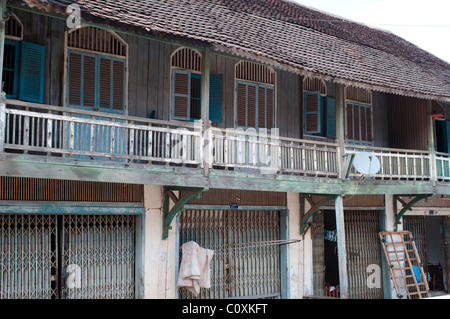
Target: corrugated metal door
(237,270)
(70,256)
(28,258)
(363,254)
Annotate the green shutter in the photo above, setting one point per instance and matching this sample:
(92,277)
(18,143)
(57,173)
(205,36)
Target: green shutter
(215,98)
(32,72)
(331,117)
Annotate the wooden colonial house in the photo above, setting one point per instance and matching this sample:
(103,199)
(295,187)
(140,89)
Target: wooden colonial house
(234,124)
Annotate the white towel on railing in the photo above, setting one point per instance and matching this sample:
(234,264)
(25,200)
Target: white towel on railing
(195,267)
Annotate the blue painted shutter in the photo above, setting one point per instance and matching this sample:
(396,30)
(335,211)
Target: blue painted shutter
(215,98)
(195,110)
(32,72)
(331,117)
(312,113)
(11,68)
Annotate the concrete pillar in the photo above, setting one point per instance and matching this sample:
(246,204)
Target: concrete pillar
(295,250)
(341,247)
(159,269)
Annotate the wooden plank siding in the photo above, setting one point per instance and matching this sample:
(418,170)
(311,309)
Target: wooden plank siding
(42,189)
(240,197)
(407,123)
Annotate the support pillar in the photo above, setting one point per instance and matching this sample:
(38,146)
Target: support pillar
(341,247)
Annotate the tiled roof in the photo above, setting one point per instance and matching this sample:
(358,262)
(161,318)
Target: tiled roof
(283,34)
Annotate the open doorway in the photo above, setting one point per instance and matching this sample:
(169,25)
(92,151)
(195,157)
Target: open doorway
(330,254)
(430,233)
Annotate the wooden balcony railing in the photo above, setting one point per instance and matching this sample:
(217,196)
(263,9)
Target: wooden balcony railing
(46,130)
(244,149)
(396,163)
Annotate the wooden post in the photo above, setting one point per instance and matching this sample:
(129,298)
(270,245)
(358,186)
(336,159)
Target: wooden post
(205,112)
(340,128)
(431,142)
(2,36)
(2,126)
(341,248)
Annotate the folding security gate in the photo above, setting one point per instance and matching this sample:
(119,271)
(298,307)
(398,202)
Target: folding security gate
(67,256)
(363,254)
(239,267)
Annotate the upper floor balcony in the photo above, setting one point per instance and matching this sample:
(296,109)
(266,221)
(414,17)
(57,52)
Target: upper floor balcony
(33,133)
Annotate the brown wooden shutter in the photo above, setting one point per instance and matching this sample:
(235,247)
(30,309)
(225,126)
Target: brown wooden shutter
(181,97)
(89,81)
(241,105)
(105,83)
(118,98)
(251,106)
(350,121)
(369,124)
(262,107)
(312,113)
(270,108)
(74,79)
(356,123)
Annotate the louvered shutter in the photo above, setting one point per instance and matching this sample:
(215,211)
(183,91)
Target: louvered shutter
(356,123)
(180,94)
(105,83)
(331,117)
(251,105)
(241,105)
(262,107)
(312,107)
(74,79)
(369,124)
(89,81)
(195,96)
(215,98)
(270,108)
(118,93)
(32,72)
(349,111)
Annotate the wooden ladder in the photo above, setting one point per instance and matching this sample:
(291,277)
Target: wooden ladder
(402,258)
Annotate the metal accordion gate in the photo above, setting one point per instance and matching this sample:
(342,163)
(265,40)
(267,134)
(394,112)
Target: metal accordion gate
(244,263)
(363,254)
(67,256)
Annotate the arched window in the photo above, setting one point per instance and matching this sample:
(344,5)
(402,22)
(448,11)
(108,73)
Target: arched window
(255,95)
(186,84)
(358,109)
(96,70)
(23,64)
(186,72)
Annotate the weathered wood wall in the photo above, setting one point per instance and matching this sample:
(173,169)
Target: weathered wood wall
(37,189)
(240,197)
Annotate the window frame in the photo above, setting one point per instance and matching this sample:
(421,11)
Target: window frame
(190,75)
(359,141)
(97,56)
(17,44)
(257,86)
(122,55)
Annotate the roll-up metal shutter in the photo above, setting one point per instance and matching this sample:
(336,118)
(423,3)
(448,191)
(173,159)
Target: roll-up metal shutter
(236,270)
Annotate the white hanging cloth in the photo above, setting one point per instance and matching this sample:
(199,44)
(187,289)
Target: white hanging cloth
(195,272)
